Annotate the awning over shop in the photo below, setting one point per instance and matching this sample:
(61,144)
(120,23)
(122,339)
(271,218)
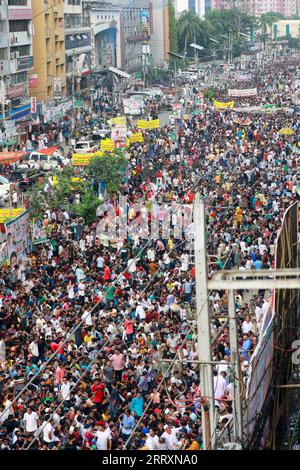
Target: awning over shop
(49,151)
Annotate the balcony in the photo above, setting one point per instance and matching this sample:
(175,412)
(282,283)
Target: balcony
(4,67)
(3,40)
(135,38)
(77,41)
(20,38)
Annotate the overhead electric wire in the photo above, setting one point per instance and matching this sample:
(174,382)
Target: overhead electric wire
(91,363)
(150,240)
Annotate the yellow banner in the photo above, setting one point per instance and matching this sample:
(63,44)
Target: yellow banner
(73,180)
(118,121)
(83,159)
(224,104)
(107,145)
(5,214)
(138,137)
(154,124)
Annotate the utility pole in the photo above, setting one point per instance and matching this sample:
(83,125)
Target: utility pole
(203,324)
(236,370)
(73,74)
(3,100)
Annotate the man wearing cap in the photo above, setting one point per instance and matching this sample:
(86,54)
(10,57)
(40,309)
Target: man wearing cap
(170,436)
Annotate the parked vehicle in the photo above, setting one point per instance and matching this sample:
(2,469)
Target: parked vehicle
(43,162)
(86,146)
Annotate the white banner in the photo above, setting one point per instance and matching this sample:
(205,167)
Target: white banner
(119,133)
(246,92)
(132,106)
(57,112)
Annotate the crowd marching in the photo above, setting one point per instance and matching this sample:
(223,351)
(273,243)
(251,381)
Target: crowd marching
(97,333)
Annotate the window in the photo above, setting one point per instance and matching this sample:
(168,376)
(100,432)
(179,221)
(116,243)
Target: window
(16,78)
(18,25)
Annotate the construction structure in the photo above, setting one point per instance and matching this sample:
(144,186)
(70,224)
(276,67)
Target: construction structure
(260,405)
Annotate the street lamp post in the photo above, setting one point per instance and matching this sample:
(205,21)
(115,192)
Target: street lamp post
(176,56)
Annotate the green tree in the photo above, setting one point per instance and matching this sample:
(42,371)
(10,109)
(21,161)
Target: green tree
(172,29)
(109,168)
(57,196)
(189,26)
(267,20)
(87,208)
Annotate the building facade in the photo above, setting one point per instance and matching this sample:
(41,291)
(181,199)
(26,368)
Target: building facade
(135,35)
(120,32)
(78,45)
(16,57)
(160,39)
(285,7)
(105,22)
(259,7)
(286,28)
(48,78)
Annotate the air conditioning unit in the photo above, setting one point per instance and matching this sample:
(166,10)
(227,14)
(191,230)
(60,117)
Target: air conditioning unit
(12,55)
(17,54)
(2,15)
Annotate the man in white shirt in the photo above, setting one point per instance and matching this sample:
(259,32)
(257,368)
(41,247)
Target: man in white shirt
(65,391)
(81,289)
(48,432)
(140,312)
(103,438)
(31,420)
(220,387)
(34,350)
(247,325)
(170,436)
(100,262)
(87,318)
(152,440)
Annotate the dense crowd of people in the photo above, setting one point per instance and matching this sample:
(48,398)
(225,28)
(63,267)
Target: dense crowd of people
(98,334)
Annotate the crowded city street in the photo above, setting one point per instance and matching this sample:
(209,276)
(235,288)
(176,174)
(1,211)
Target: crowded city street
(98,322)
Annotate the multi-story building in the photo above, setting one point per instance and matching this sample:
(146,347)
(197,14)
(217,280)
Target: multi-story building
(285,7)
(208,5)
(105,22)
(135,34)
(182,5)
(16,57)
(78,45)
(259,7)
(121,32)
(160,33)
(48,80)
(286,28)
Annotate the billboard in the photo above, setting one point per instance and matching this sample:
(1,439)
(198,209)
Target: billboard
(57,87)
(17,238)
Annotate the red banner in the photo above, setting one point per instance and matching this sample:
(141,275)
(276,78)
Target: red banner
(11,157)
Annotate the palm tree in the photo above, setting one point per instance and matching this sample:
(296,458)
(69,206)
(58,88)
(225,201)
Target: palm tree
(188,27)
(267,20)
